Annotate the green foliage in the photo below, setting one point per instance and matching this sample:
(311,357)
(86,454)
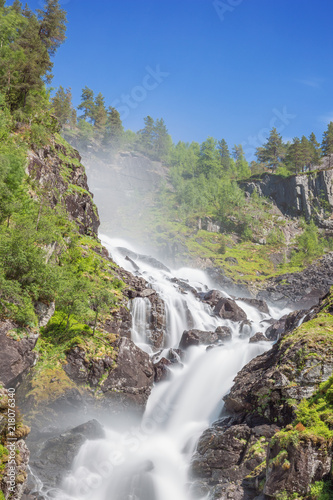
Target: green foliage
(275,237)
(308,245)
(327,144)
(321,490)
(154,139)
(273,151)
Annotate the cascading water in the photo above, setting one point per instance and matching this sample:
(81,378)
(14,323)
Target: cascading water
(151,461)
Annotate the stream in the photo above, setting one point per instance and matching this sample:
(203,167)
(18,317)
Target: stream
(150,460)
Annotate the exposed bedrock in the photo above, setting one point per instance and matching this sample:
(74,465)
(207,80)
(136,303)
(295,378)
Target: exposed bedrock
(244,455)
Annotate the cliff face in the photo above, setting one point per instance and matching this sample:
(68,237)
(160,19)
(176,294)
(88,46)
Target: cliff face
(308,195)
(57,169)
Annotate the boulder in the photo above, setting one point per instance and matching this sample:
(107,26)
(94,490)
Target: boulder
(258,337)
(161,371)
(212,297)
(199,337)
(228,309)
(261,305)
(53,458)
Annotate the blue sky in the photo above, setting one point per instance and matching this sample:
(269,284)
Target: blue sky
(229,68)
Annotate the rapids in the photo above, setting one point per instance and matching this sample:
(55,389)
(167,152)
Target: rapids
(150,460)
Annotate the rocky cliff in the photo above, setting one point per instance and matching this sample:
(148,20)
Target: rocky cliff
(275,438)
(309,194)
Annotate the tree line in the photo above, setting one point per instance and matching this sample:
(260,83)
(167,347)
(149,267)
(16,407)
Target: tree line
(300,155)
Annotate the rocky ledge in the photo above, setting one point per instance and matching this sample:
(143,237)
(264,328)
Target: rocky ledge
(275,437)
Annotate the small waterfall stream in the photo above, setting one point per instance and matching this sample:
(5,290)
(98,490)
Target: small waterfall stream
(151,461)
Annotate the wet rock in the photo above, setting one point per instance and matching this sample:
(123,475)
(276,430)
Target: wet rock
(16,356)
(285,325)
(228,309)
(184,286)
(161,371)
(130,383)
(175,355)
(258,337)
(147,259)
(228,461)
(53,459)
(245,328)
(261,305)
(212,297)
(199,337)
(224,333)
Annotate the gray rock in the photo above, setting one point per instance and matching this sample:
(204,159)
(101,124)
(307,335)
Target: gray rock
(228,309)
(258,337)
(16,356)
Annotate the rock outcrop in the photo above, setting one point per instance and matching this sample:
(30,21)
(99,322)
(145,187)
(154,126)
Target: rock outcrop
(302,289)
(309,194)
(16,353)
(270,445)
(53,453)
(58,170)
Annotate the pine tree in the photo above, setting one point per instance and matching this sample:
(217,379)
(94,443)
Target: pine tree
(209,161)
(306,153)
(295,156)
(162,140)
(99,113)
(62,104)
(315,151)
(113,129)
(272,152)
(52,25)
(87,105)
(327,144)
(241,166)
(224,153)
(147,134)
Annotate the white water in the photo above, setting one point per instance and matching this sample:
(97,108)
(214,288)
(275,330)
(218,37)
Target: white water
(151,461)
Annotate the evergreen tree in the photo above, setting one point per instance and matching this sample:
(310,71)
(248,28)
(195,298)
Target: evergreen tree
(224,153)
(52,25)
(315,150)
(241,166)
(62,104)
(147,134)
(113,128)
(100,115)
(306,153)
(327,144)
(162,140)
(295,156)
(272,152)
(87,104)
(209,161)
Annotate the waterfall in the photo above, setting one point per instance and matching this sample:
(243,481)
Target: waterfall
(151,460)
